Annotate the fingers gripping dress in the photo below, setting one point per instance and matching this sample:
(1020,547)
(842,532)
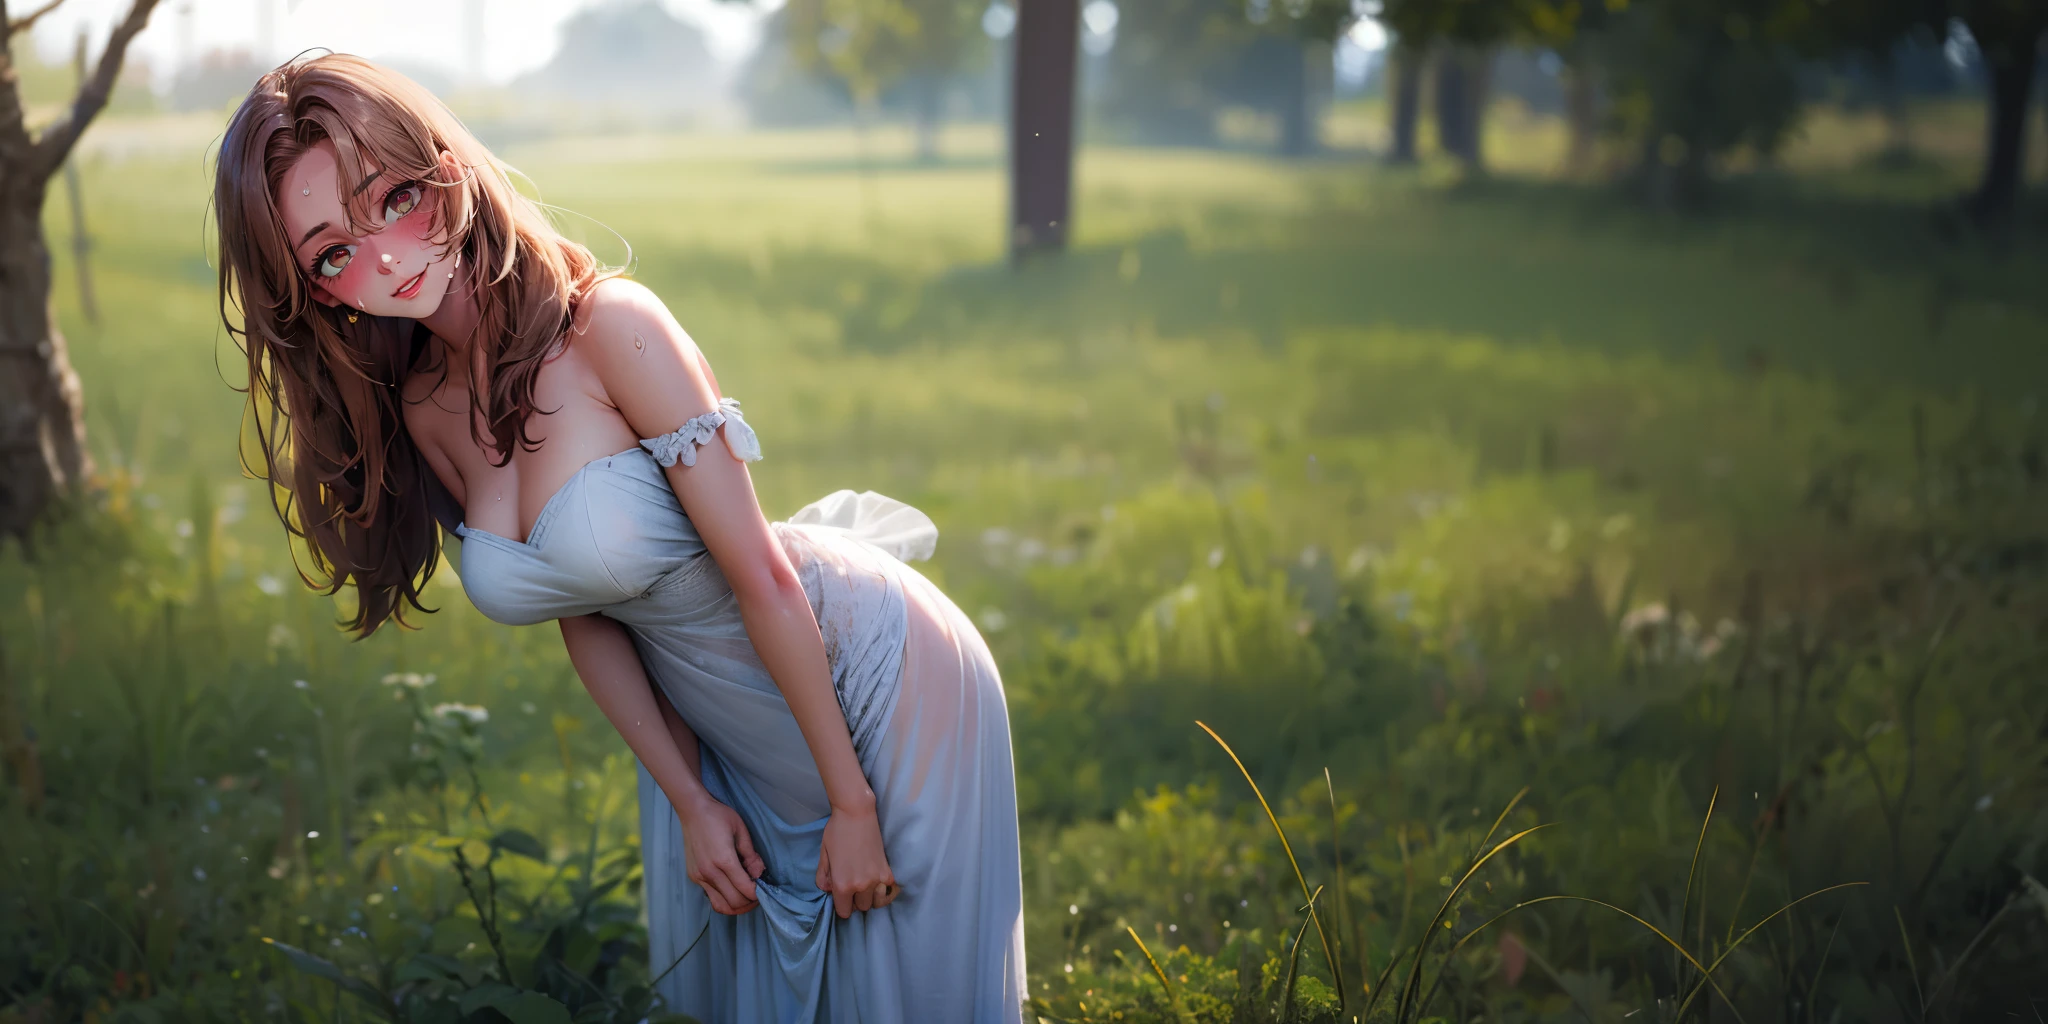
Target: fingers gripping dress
(922,700)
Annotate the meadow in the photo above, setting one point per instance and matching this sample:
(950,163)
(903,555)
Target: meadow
(1712,545)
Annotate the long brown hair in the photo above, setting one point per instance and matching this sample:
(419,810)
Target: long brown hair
(324,393)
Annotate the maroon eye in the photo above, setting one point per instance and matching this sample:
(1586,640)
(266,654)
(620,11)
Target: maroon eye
(400,201)
(333,260)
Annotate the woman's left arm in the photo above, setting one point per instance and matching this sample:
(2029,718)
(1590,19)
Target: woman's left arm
(658,380)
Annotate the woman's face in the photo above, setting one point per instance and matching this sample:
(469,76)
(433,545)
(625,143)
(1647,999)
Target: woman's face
(399,268)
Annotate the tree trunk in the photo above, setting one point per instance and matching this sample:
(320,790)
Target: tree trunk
(1463,75)
(1404,100)
(1480,93)
(1042,125)
(42,410)
(931,96)
(1582,115)
(1891,103)
(1450,102)
(1297,134)
(2011,70)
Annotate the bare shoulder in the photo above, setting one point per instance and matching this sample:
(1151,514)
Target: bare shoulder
(624,318)
(628,338)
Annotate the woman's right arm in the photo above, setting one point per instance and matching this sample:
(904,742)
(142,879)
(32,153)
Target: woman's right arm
(716,846)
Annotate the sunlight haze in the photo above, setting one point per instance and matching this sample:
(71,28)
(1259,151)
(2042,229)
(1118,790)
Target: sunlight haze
(519,35)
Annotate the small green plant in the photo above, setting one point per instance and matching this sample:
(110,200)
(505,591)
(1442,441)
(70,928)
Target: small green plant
(568,951)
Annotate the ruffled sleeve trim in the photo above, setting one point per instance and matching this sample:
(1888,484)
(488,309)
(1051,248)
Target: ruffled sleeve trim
(682,443)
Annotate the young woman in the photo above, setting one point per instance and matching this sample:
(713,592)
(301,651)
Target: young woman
(824,748)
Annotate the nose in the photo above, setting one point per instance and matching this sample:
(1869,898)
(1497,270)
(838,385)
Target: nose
(385,263)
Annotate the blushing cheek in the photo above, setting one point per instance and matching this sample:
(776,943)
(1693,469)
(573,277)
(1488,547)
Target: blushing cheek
(347,285)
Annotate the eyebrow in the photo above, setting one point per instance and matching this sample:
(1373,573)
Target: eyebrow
(322,226)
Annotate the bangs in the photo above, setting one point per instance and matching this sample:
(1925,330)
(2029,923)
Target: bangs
(383,137)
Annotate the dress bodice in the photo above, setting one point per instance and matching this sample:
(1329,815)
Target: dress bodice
(610,535)
(615,540)
(615,533)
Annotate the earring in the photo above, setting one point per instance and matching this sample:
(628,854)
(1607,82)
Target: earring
(351,316)
(305,191)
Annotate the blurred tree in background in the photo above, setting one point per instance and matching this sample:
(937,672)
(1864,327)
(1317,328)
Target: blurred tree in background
(1460,38)
(872,45)
(1678,90)
(631,55)
(1693,82)
(1697,80)
(1304,31)
(1166,75)
(2008,33)
(1176,63)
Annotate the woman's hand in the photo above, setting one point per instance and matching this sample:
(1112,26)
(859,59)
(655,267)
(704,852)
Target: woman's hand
(720,855)
(850,863)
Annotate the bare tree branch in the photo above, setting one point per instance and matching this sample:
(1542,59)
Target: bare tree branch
(56,141)
(28,21)
(13,133)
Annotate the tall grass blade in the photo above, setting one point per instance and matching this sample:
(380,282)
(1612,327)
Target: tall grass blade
(1820,970)
(1379,985)
(687,950)
(1744,937)
(1322,934)
(320,967)
(1156,969)
(1294,963)
(1343,894)
(119,928)
(1692,873)
(1955,966)
(1708,977)
(1423,1006)
(1912,967)
(1741,898)
(1414,982)
(1503,816)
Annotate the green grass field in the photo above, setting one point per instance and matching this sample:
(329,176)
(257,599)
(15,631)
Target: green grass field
(1450,488)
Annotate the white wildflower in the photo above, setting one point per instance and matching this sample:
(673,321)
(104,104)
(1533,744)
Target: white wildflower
(1645,618)
(476,715)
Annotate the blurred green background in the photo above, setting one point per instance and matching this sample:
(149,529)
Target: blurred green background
(1451,485)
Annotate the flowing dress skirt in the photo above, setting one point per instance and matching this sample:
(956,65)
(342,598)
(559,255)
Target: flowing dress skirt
(950,949)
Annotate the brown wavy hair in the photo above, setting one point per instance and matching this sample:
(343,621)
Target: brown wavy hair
(324,393)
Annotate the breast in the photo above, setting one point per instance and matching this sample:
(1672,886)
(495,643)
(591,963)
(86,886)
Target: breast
(613,534)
